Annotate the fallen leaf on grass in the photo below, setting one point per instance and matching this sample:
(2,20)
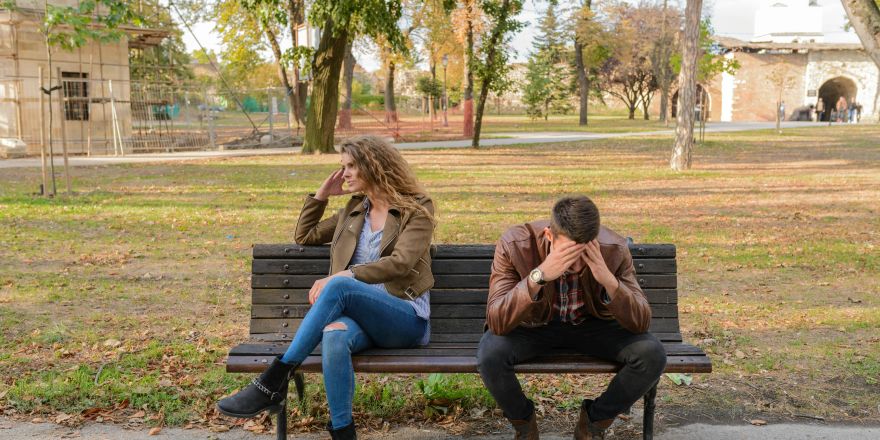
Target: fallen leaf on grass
(680,378)
(758,422)
(138,415)
(155,431)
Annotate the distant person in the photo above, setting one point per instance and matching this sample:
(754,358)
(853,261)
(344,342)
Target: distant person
(782,111)
(852,112)
(820,110)
(858,112)
(841,108)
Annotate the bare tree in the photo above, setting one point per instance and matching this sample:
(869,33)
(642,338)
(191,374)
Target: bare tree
(864,15)
(687,95)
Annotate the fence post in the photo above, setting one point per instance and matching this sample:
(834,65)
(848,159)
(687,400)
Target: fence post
(63,104)
(272,105)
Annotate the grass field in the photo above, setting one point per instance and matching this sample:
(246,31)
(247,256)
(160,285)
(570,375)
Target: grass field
(119,303)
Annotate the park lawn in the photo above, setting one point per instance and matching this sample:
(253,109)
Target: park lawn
(120,302)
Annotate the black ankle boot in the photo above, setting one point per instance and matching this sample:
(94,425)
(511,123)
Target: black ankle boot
(344,433)
(265,392)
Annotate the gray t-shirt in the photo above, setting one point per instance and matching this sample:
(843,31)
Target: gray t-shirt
(367,251)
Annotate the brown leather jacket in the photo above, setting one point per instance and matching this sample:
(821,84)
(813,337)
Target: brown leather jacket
(523,247)
(404,263)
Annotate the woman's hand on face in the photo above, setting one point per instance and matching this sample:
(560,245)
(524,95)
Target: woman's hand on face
(332,186)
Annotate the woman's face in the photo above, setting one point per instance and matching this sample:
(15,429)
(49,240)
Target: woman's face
(350,174)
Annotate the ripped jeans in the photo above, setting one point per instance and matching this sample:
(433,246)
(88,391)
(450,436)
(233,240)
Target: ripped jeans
(351,316)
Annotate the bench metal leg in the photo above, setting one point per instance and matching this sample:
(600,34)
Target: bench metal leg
(299,381)
(281,424)
(648,423)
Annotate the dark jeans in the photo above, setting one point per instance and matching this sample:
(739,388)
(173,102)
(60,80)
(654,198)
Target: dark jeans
(643,358)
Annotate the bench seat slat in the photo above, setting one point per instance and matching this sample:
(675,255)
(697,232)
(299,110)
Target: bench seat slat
(467,364)
(433,349)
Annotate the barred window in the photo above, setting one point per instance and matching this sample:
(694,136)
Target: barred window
(76,96)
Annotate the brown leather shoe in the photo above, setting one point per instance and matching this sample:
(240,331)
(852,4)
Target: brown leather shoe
(587,430)
(526,429)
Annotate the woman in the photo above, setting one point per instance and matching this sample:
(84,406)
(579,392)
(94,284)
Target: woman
(377,293)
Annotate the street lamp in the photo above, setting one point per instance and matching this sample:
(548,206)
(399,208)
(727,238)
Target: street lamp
(445,62)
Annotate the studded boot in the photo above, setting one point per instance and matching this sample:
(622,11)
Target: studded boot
(266,392)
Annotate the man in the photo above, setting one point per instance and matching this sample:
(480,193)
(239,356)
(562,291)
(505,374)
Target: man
(820,110)
(567,282)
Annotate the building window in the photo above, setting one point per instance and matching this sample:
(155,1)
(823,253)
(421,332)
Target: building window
(76,96)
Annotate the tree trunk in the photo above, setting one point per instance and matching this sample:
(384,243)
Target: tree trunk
(664,104)
(632,111)
(583,82)
(282,73)
(390,106)
(297,95)
(645,105)
(864,15)
(687,94)
(325,91)
(491,59)
(583,86)
(347,79)
(467,103)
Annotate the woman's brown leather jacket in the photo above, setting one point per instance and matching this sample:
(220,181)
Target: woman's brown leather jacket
(404,263)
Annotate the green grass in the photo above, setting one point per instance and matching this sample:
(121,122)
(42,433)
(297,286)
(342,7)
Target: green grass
(777,251)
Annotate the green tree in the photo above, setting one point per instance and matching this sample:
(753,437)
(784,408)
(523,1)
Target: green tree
(548,80)
(492,63)
(341,20)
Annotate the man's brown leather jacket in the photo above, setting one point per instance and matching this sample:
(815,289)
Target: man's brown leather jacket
(404,263)
(523,247)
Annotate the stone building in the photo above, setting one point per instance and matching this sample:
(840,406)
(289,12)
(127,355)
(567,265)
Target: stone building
(90,116)
(800,73)
(790,58)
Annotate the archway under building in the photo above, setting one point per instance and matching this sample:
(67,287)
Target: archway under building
(833,89)
(702,96)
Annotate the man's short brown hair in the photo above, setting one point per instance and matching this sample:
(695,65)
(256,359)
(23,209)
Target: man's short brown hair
(576,218)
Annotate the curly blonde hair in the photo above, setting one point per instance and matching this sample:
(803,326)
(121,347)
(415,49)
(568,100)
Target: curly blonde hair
(382,167)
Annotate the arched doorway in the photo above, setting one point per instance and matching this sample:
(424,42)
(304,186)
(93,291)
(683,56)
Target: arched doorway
(833,89)
(702,96)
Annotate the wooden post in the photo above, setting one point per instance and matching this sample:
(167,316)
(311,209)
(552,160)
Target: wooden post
(18,87)
(43,134)
(61,103)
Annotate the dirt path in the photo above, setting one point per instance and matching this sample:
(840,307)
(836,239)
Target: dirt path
(13,430)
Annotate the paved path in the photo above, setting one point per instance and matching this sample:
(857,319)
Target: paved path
(500,139)
(10,430)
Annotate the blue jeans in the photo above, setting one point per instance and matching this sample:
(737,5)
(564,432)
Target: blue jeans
(370,317)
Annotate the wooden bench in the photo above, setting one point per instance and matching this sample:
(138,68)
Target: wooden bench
(283,274)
